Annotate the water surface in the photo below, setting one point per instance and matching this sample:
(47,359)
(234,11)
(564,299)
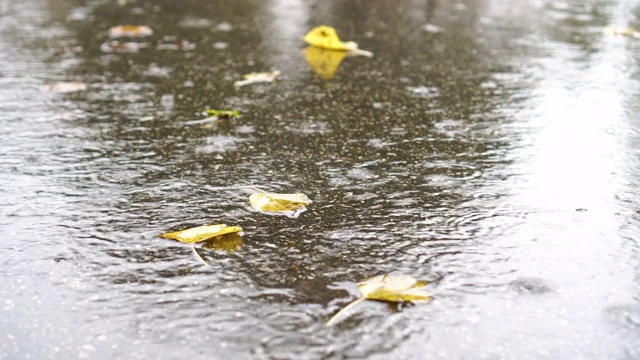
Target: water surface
(489,146)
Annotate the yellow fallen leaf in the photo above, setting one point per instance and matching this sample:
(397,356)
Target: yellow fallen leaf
(393,288)
(326,37)
(223,114)
(324,62)
(613,30)
(130,31)
(253,78)
(290,204)
(389,288)
(201,233)
(227,242)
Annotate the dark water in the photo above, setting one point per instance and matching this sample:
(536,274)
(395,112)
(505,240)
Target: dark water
(496,153)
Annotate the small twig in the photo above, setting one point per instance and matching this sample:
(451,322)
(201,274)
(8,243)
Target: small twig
(204,262)
(335,317)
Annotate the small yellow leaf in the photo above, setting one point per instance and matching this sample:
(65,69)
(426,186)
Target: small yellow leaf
(130,31)
(254,78)
(279,203)
(201,233)
(223,114)
(326,37)
(389,288)
(393,288)
(227,242)
(613,30)
(324,62)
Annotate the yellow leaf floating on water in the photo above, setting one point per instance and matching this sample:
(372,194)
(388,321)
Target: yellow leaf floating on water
(201,233)
(324,62)
(613,30)
(389,288)
(254,78)
(130,31)
(289,204)
(393,288)
(326,37)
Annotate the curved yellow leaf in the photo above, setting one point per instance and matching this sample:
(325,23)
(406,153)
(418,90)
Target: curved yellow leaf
(390,288)
(326,37)
(279,203)
(201,233)
(393,288)
(323,62)
(130,31)
(612,30)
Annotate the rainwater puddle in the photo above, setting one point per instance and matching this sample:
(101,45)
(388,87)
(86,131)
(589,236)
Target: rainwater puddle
(488,147)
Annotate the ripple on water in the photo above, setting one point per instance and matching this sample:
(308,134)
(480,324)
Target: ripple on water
(628,314)
(219,144)
(455,170)
(529,285)
(425,182)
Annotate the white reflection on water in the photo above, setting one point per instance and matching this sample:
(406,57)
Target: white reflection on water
(571,165)
(283,31)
